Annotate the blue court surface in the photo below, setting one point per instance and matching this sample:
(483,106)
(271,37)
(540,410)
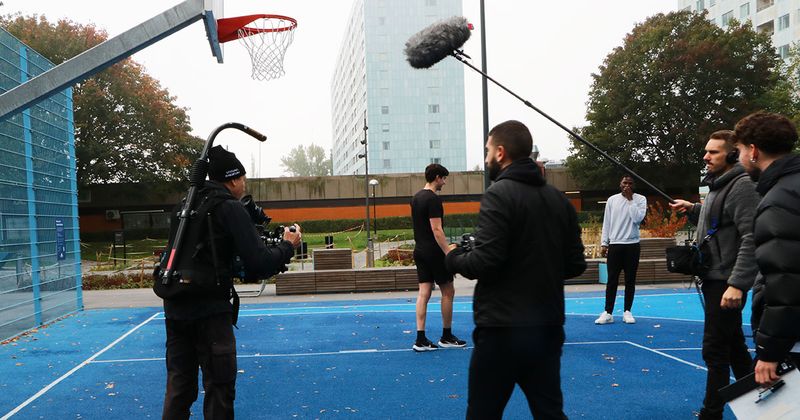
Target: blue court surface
(353,359)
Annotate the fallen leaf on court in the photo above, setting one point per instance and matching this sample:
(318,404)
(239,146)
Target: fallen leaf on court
(240,371)
(645,370)
(650,336)
(614,385)
(110,385)
(657,326)
(19,364)
(453,396)
(406,331)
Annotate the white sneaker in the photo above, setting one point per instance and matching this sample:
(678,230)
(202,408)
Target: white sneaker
(604,318)
(627,317)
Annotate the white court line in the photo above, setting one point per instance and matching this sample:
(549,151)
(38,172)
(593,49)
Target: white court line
(399,311)
(639,296)
(73,370)
(647,317)
(668,356)
(278,355)
(681,349)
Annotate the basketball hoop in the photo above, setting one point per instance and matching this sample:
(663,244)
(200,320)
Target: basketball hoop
(266,38)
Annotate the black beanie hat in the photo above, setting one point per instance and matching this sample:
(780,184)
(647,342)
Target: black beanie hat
(223,165)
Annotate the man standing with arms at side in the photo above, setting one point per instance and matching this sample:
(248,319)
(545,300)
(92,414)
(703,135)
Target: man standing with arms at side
(527,243)
(620,241)
(430,247)
(197,304)
(765,142)
(725,234)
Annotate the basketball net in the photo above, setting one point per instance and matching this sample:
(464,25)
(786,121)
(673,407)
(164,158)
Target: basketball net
(266,38)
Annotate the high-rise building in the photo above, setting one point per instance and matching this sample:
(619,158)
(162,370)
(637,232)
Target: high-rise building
(415,117)
(781,19)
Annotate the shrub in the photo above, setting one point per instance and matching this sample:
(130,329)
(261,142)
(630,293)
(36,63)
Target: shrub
(662,222)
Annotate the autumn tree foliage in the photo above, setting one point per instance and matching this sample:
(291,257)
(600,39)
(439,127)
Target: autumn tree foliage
(127,127)
(676,79)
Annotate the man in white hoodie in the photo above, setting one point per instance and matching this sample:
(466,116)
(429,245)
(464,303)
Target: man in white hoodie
(620,242)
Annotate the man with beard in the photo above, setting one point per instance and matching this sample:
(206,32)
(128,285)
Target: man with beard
(527,243)
(430,246)
(725,236)
(765,142)
(620,244)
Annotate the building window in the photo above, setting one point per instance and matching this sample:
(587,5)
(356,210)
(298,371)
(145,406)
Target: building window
(701,4)
(384,128)
(386,145)
(387,164)
(435,144)
(385,109)
(783,51)
(381,20)
(763,4)
(766,28)
(436,160)
(726,18)
(744,11)
(783,22)
(433,109)
(430,2)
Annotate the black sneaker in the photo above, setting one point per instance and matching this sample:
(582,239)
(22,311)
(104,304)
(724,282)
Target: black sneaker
(451,341)
(424,346)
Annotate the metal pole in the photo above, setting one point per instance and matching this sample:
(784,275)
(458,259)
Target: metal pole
(366,192)
(485,93)
(374,213)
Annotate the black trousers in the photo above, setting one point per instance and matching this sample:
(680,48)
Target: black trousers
(502,357)
(208,344)
(621,257)
(724,347)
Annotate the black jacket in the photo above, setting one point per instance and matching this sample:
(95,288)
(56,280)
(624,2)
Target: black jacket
(776,295)
(236,235)
(528,242)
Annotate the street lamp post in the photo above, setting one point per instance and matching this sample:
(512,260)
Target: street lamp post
(374,183)
(370,249)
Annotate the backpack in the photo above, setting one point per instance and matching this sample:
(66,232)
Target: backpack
(199,272)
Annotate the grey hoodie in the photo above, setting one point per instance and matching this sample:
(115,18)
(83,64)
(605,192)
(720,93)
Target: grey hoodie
(731,248)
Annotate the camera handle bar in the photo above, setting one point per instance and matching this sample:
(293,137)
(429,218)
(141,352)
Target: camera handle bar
(197,178)
(460,56)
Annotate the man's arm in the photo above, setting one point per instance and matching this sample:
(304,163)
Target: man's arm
(606,224)
(742,201)
(258,259)
(491,238)
(438,234)
(637,208)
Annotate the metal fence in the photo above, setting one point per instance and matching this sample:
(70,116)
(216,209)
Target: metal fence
(40,272)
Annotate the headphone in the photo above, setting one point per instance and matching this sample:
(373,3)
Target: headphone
(732,157)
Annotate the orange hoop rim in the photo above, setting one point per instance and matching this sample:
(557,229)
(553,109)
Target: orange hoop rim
(228,28)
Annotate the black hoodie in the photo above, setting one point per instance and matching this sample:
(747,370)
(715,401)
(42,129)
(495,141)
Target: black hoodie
(776,295)
(528,242)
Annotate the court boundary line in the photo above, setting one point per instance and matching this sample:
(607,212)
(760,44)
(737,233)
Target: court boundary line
(44,390)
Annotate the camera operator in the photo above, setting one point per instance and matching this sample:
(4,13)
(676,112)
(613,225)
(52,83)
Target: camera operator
(199,320)
(527,243)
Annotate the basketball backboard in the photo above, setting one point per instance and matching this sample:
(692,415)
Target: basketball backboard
(213,10)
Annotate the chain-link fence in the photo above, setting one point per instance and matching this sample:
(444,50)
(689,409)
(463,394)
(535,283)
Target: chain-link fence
(39,242)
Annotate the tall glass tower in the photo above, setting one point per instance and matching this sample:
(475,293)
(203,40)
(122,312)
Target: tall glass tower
(415,117)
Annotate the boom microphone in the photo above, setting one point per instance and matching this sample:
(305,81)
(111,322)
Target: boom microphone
(432,44)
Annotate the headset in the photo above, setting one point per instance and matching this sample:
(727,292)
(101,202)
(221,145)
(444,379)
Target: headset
(732,157)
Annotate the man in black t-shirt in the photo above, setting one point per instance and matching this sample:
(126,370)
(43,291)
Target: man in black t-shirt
(431,245)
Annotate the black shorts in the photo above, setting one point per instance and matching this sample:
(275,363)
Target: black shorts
(430,268)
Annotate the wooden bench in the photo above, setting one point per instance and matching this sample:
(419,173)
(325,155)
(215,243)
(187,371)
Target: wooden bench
(348,280)
(652,265)
(333,259)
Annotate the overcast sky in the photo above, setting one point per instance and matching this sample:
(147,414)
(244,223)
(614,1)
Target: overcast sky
(544,51)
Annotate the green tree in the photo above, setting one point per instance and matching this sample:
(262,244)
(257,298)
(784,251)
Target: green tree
(307,161)
(676,79)
(127,128)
